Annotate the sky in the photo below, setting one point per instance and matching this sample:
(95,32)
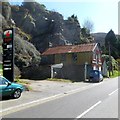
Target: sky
(103,13)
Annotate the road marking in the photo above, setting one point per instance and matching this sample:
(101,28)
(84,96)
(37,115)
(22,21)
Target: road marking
(85,112)
(27,105)
(40,101)
(113,92)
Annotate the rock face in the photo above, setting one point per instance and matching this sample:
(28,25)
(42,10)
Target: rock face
(36,29)
(47,28)
(6,10)
(26,54)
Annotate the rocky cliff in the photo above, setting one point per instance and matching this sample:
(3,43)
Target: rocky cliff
(36,29)
(46,28)
(25,52)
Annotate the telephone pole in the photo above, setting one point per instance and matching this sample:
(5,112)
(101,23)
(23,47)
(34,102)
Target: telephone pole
(110,60)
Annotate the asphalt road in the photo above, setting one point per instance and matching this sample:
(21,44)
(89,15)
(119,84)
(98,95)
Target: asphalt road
(99,101)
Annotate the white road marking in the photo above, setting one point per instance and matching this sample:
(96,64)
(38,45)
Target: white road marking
(40,101)
(85,112)
(27,105)
(113,92)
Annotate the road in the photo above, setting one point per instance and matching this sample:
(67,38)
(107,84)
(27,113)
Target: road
(99,101)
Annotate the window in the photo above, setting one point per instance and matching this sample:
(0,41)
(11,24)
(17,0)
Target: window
(63,57)
(74,57)
(3,81)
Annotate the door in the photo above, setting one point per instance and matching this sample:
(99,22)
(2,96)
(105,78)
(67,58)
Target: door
(5,88)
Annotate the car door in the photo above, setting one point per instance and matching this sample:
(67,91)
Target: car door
(5,88)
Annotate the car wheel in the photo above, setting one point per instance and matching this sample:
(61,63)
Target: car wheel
(17,93)
(99,80)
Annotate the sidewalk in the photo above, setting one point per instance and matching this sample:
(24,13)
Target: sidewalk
(43,91)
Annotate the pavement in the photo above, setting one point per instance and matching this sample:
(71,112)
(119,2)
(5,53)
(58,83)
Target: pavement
(43,91)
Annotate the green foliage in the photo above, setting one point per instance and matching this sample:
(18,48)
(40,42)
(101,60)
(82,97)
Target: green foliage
(116,73)
(21,81)
(110,38)
(42,6)
(118,45)
(114,43)
(34,6)
(58,80)
(85,32)
(5,3)
(114,62)
(73,18)
(24,35)
(85,36)
(26,84)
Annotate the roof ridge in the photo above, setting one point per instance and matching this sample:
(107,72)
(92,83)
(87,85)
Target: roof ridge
(70,49)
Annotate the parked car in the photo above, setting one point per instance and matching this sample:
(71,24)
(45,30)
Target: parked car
(8,88)
(95,76)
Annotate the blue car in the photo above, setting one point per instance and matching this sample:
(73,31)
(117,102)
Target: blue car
(8,88)
(95,76)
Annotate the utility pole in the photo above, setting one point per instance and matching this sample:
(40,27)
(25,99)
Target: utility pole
(110,61)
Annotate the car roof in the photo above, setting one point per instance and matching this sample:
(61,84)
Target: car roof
(1,76)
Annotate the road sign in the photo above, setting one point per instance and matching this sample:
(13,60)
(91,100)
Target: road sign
(8,54)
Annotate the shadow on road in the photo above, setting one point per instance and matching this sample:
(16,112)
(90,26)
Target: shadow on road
(5,98)
(91,82)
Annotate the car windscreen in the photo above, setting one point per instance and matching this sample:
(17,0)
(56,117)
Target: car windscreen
(3,81)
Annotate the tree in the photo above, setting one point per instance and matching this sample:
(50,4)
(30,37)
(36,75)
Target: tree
(89,25)
(85,32)
(112,42)
(114,62)
(118,45)
(73,18)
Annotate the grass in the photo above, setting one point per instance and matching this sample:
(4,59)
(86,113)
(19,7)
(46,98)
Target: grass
(115,74)
(24,83)
(59,80)
(21,81)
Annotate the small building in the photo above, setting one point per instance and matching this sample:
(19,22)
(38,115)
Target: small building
(74,58)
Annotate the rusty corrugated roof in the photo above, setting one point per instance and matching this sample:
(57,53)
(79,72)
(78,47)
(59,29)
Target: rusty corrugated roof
(70,49)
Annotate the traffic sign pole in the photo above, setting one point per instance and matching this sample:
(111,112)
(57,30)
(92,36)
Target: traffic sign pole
(8,54)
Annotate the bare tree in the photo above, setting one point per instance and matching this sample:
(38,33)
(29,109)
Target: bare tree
(89,25)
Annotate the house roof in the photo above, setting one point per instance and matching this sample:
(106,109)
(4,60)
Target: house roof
(70,49)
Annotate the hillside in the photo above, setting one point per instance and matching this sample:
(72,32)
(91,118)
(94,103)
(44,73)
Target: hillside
(25,53)
(100,38)
(36,29)
(44,28)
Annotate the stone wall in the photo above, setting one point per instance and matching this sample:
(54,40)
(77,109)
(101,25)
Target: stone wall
(72,72)
(40,72)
